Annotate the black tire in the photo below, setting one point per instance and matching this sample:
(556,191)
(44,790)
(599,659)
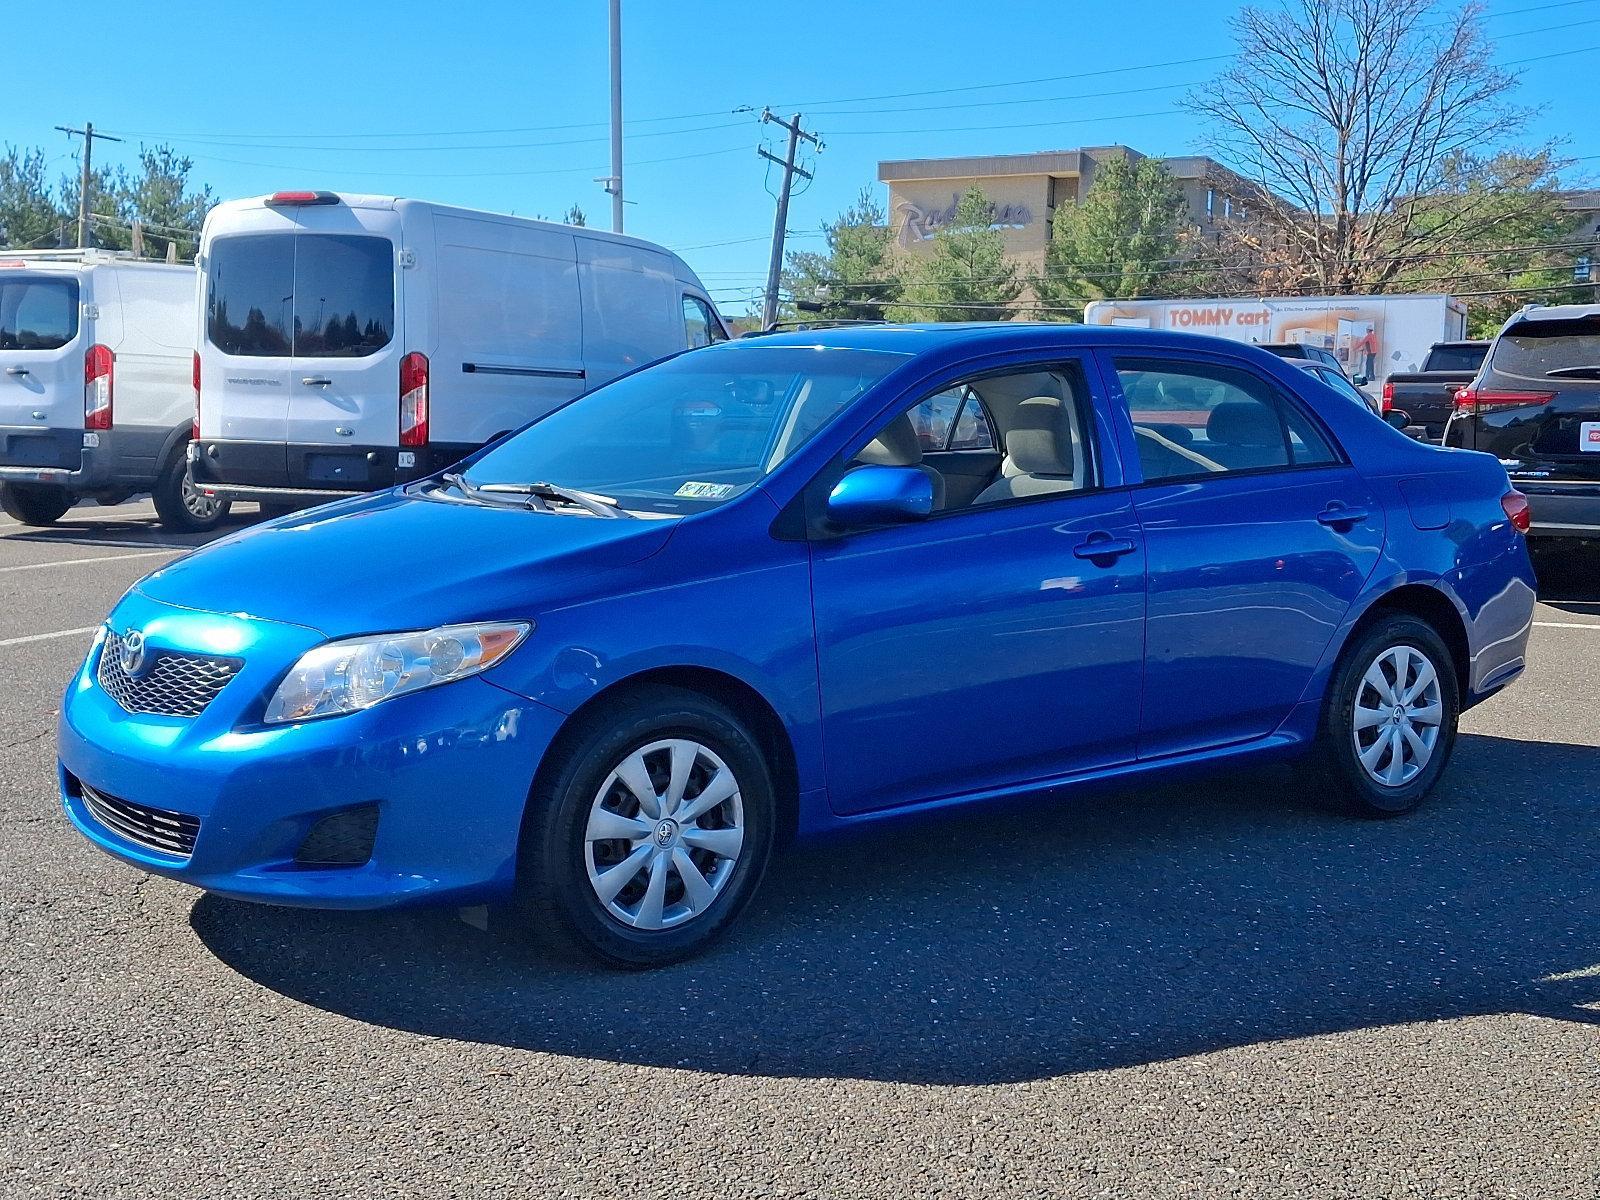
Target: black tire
(35,504)
(1340,742)
(559,905)
(181,507)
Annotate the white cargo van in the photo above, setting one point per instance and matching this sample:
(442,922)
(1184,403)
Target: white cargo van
(96,384)
(349,343)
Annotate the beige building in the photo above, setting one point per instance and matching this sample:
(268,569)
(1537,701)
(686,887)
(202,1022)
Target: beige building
(1026,189)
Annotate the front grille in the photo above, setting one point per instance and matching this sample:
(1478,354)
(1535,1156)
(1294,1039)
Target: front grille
(153,828)
(170,684)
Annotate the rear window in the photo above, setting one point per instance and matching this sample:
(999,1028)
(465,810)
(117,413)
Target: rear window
(37,314)
(1456,358)
(1535,348)
(308,295)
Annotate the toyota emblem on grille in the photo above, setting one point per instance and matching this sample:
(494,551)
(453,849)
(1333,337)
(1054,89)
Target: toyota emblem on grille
(131,655)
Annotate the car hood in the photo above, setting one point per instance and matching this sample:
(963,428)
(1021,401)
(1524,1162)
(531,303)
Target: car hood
(394,561)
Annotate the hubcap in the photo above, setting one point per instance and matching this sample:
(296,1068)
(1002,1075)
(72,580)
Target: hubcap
(1398,711)
(200,505)
(664,834)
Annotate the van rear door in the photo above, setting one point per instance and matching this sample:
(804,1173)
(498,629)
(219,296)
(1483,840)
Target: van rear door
(306,315)
(42,339)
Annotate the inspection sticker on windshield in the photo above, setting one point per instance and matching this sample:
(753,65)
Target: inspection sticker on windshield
(706,491)
(1589,436)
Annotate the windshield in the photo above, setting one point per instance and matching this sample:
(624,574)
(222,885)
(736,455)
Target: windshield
(273,295)
(689,433)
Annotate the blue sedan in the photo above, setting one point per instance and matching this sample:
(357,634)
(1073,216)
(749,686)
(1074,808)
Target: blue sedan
(788,585)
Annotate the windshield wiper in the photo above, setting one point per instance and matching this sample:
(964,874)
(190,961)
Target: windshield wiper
(536,495)
(1592,371)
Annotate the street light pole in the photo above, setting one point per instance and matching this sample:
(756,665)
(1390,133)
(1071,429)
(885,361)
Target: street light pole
(614,184)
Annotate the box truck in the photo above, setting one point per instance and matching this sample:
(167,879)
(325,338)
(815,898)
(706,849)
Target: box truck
(1372,337)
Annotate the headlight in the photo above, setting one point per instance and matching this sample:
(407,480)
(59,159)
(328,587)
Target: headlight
(347,676)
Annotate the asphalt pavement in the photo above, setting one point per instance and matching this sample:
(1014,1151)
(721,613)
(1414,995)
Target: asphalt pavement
(1222,989)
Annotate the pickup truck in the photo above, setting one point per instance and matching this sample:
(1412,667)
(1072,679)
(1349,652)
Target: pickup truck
(1428,396)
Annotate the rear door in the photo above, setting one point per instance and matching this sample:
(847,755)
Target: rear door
(42,339)
(1259,537)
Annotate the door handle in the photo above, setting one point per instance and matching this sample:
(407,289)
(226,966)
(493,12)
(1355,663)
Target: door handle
(1103,545)
(1341,514)
(16,370)
(316,381)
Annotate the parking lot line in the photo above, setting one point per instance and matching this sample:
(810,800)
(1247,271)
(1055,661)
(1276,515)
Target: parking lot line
(1566,624)
(75,562)
(45,637)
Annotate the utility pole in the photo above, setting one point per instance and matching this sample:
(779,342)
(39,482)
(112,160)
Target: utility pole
(614,184)
(88,135)
(769,308)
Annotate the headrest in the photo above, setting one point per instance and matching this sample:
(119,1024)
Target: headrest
(896,445)
(1243,423)
(1039,441)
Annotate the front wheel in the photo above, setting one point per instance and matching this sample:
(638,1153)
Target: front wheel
(652,832)
(183,507)
(35,504)
(1390,722)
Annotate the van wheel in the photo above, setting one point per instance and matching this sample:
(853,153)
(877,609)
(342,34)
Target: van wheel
(651,833)
(1390,721)
(182,507)
(35,504)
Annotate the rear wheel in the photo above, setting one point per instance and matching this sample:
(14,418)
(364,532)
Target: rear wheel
(652,832)
(1390,721)
(182,507)
(35,504)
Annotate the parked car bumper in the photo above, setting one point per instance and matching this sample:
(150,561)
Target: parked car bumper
(69,458)
(1570,510)
(445,772)
(285,473)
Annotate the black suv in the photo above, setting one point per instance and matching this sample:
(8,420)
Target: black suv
(1535,405)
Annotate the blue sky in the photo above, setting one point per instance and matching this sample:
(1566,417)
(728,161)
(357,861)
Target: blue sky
(389,98)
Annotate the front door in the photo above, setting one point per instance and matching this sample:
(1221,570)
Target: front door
(990,644)
(1259,538)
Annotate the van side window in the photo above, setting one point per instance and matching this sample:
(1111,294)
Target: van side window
(699,325)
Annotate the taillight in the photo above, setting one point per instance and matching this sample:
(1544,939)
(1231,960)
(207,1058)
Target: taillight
(1470,400)
(414,400)
(1388,396)
(98,366)
(296,199)
(194,429)
(1517,512)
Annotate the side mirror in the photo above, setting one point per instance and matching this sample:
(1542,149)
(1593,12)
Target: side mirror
(1360,380)
(876,495)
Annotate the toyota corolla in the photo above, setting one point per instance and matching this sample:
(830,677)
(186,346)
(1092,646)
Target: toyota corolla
(788,585)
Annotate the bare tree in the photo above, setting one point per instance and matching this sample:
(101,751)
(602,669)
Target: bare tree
(1363,128)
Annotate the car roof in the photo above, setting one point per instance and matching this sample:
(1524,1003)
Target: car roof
(1557,312)
(978,336)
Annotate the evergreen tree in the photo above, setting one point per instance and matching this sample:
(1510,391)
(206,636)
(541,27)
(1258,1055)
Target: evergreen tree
(967,276)
(856,278)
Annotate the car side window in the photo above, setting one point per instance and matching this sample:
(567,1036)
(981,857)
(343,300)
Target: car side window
(1193,420)
(954,419)
(699,325)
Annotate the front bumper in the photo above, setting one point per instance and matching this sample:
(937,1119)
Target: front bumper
(448,769)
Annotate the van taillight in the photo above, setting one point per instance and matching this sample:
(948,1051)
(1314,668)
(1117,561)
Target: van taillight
(98,366)
(1388,396)
(194,428)
(414,400)
(1516,509)
(1470,400)
(296,199)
